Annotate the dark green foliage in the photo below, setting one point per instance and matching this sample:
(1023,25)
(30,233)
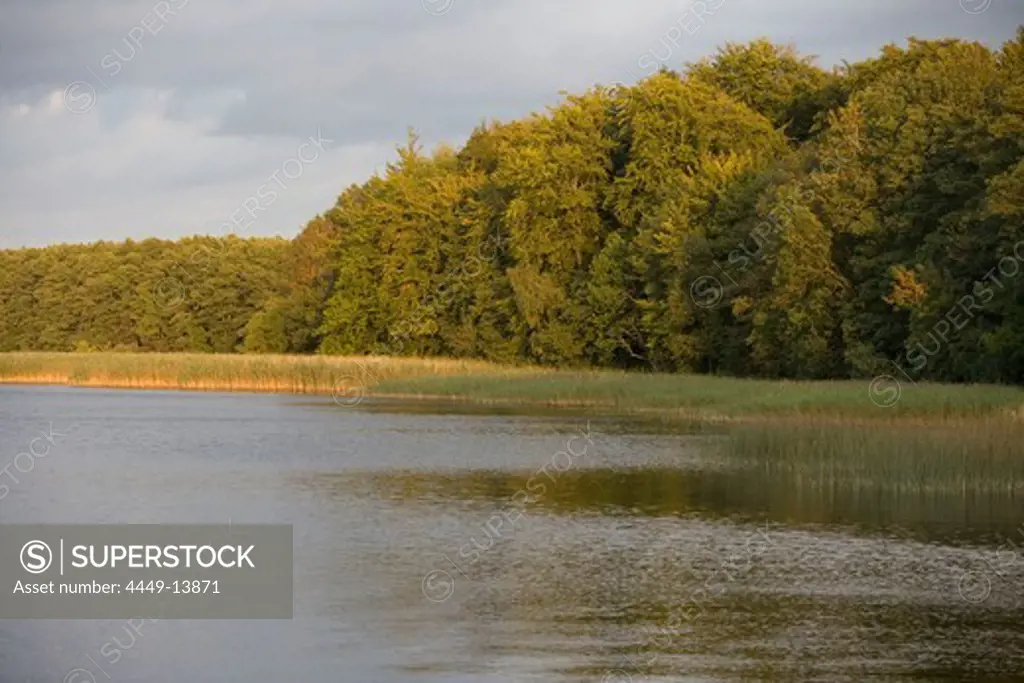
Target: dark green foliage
(751,215)
(198,294)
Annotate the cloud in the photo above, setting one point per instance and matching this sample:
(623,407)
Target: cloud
(196,102)
(104,176)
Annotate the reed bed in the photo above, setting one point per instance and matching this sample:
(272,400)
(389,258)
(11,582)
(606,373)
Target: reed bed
(209,372)
(970,454)
(821,433)
(703,397)
(676,397)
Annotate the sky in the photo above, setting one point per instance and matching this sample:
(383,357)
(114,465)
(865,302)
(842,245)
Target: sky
(124,119)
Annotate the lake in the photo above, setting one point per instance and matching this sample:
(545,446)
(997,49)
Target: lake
(442,544)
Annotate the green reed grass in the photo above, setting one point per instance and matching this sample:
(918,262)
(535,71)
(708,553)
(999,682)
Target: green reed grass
(708,396)
(969,454)
(673,396)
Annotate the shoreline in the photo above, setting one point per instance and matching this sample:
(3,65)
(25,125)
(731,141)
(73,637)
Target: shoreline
(672,396)
(931,433)
(603,408)
(130,384)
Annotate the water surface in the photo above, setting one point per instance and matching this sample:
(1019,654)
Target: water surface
(443,545)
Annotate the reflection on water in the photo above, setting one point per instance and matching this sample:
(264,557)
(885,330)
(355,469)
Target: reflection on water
(736,494)
(717,573)
(460,546)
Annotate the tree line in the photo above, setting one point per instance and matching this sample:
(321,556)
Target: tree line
(751,214)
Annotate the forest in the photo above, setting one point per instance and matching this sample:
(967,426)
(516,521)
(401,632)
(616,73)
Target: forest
(751,214)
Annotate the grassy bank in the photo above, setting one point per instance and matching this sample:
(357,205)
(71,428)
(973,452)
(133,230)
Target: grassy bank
(664,394)
(924,436)
(702,395)
(209,372)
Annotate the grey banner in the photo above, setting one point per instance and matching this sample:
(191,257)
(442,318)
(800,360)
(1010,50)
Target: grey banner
(146,571)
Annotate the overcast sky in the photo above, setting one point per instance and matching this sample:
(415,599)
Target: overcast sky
(125,119)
